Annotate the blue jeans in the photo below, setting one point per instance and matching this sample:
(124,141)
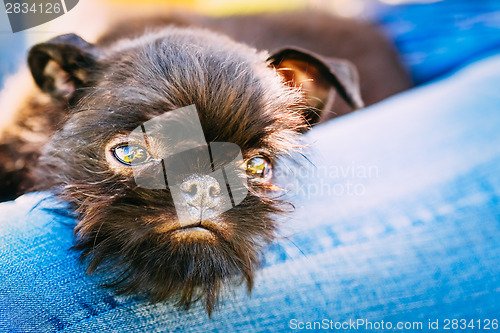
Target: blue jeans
(434,39)
(398,220)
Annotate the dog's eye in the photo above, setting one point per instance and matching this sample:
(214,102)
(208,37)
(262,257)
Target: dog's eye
(131,154)
(258,166)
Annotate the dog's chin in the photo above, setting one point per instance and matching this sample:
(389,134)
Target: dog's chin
(185,264)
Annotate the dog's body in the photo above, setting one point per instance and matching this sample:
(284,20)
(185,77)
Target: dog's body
(72,134)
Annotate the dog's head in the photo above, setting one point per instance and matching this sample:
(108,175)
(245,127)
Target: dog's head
(168,150)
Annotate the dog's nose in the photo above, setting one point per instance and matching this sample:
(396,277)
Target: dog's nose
(201,191)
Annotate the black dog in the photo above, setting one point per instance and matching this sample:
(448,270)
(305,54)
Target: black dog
(90,100)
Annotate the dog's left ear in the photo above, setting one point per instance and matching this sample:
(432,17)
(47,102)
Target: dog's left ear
(318,77)
(62,64)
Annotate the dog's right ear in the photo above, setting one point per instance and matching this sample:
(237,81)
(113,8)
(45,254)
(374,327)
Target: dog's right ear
(319,78)
(62,64)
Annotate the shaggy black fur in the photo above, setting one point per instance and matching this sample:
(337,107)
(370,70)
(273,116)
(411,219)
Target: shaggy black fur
(130,230)
(103,92)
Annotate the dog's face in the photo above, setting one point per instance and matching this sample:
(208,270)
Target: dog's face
(256,103)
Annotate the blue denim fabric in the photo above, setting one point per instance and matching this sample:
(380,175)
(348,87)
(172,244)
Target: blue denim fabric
(417,241)
(436,38)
